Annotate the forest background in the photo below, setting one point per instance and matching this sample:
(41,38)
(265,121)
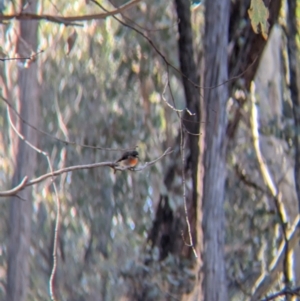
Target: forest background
(207,93)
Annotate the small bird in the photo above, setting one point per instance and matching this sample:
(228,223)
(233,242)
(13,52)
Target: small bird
(129,159)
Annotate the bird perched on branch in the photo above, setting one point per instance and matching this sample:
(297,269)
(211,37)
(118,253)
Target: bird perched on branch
(129,159)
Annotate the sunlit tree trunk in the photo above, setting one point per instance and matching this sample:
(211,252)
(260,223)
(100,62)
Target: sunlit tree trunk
(216,61)
(18,274)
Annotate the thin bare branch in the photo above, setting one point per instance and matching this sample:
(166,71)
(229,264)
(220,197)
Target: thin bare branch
(182,153)
(68,20)
(166,61)
(32,57)
(23,185)
(284,292)
(172,106)
(61,140)
(58,172)
(24,182)
(147,164)
(246,179)
(19,134)
(56,227)
(265,281)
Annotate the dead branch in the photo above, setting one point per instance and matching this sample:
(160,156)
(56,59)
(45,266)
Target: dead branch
(147,164)
(57,139)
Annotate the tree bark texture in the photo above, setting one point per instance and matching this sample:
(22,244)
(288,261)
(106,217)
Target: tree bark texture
(215,98)
(18,274)
(294,89)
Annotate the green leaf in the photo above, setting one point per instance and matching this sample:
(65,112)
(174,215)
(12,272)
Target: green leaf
(259,15)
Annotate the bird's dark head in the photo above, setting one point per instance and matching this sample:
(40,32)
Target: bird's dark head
(134,154)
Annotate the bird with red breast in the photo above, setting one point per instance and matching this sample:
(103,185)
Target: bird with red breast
(129,159)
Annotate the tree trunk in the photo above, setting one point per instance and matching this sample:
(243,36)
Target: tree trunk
(294,89)
(188,68)
(161,235)
(18,275)
(216,62)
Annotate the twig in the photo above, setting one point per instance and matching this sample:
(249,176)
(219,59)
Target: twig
(245,179)
(57,139)
(56,227)
(24,184)
(284,292)
(28,58)
(182,153)
(166,60)
(267,278)
(173,106)
(147,164)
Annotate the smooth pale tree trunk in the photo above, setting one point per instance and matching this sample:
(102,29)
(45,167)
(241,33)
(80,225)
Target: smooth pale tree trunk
(215,98)
(18,274)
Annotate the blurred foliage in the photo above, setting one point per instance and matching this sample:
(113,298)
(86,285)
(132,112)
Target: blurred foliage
(259,15)
(107,93)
